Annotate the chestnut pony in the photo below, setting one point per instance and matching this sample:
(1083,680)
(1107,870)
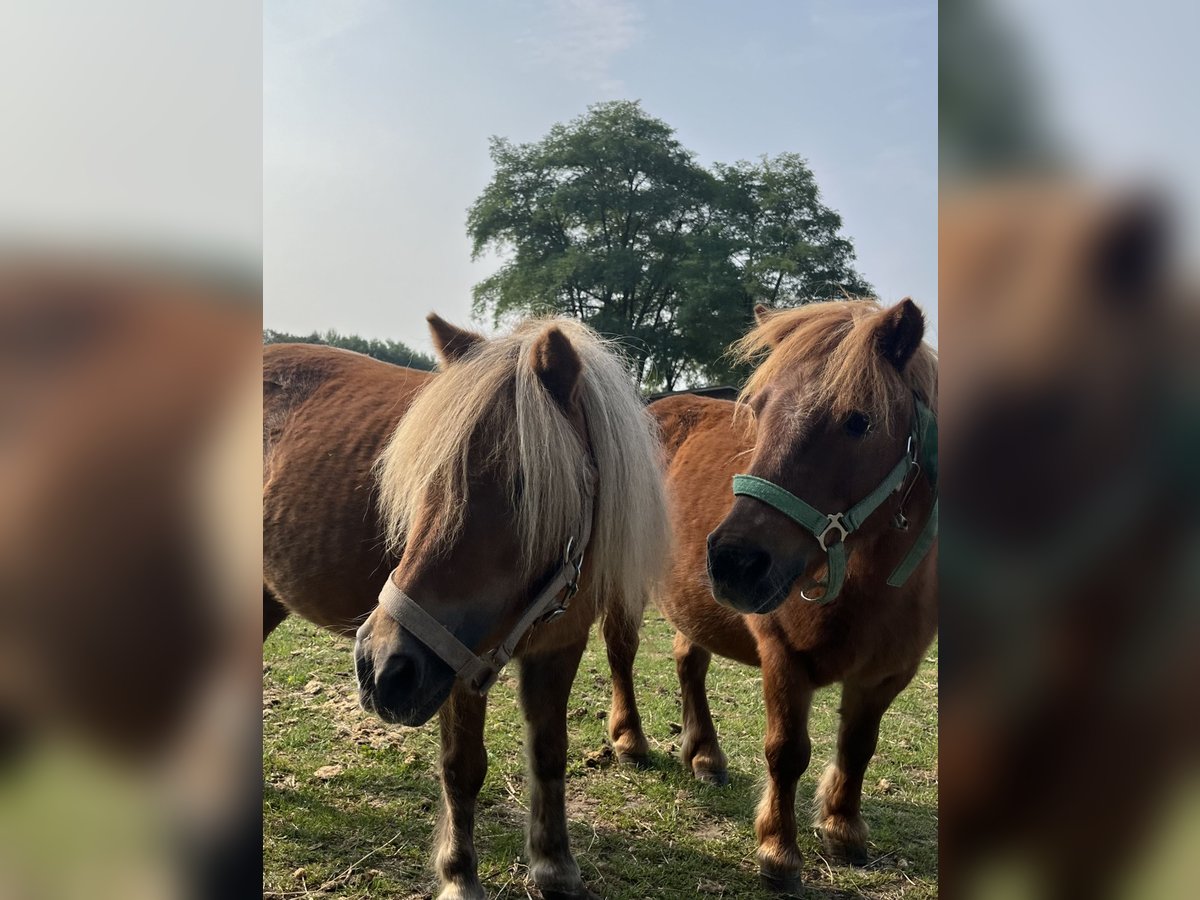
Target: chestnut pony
(822,559)
(527,468)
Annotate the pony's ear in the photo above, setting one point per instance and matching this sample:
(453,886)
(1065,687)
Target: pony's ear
(1131,250)
(761,312)
(450,341)
(557,366)
(900,333)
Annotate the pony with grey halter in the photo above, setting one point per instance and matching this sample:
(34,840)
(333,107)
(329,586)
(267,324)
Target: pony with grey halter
(443,520)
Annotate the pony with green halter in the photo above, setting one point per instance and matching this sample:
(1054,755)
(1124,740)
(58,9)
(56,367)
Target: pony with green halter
(839,410)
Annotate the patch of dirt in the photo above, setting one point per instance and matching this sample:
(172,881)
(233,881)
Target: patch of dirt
(580,806)
(600,759)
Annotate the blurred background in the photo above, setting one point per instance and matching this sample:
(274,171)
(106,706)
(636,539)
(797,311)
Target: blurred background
(1069,430)
(130,309)
(130,312)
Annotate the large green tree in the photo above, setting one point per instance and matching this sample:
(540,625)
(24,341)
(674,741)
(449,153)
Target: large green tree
(787,244)
(609,218)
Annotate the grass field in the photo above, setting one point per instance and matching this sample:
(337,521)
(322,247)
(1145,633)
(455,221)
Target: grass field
(350,802)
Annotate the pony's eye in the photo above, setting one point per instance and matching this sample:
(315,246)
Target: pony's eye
(857,424)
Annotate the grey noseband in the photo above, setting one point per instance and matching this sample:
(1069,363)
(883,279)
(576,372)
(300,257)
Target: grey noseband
(480,672)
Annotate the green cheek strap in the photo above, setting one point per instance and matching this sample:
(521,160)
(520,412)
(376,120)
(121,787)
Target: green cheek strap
(831,530)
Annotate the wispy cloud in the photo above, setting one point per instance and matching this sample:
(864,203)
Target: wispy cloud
(295,28)
(303,24)
(581,39)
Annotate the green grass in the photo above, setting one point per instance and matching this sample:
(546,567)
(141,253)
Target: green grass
(364,827)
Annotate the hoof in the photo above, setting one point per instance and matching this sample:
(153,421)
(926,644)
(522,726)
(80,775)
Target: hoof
(844,839)
(719,777)
(784,884)
(847,854)
(634,760)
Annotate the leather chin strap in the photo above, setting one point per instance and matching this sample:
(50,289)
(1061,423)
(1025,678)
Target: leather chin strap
(481,672)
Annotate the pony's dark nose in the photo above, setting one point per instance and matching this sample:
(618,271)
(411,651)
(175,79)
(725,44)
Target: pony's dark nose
(397,680)
(737,571)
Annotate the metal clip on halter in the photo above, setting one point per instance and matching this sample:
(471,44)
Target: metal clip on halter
(572,587)
(835,523)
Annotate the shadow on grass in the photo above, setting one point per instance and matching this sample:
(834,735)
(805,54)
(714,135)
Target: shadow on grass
(329,829)
(900,829)
(618,866)
(338,848)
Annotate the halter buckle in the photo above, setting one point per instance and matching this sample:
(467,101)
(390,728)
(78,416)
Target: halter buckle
(483,685)
(835,524)
(577,565)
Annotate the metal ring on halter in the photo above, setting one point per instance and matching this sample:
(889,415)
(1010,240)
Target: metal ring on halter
(812,599)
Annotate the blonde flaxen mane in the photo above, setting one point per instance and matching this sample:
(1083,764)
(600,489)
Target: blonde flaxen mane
(837,342)
(494,393)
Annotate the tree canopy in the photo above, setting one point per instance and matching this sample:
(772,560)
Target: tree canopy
(610,219)
(388,351)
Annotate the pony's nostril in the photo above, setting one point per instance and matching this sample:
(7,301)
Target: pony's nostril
(398,677)
(738,563)
(756,564)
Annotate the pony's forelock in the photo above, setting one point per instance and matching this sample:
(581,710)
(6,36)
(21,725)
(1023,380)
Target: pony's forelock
(836,342)
(494,395)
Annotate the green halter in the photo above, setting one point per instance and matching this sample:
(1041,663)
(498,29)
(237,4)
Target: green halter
(921,453)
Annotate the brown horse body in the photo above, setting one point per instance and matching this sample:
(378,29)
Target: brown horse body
(871,637)
(323,552)
(343,438)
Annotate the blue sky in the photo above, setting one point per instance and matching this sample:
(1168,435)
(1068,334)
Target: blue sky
(377,115)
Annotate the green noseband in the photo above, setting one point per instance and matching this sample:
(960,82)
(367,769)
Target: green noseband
(832,529)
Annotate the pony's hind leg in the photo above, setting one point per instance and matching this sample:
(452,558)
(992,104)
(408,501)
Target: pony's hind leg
(621,641)
(545,688)
(788,696)
(464,765)
(839,796)
(699,748)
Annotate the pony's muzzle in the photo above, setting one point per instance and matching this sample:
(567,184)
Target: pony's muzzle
(741,574)
(399,681)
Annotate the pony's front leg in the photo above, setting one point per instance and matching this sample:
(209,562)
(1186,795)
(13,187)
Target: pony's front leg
(839,795)
(788,697)
(464,765)
(546,681)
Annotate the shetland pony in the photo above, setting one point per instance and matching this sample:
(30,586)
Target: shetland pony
(827,417)
(455,498)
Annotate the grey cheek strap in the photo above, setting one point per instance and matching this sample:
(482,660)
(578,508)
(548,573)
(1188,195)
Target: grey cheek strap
(480,672)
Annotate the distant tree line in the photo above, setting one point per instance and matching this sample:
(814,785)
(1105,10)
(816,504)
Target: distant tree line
(388,351)
(609,219)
